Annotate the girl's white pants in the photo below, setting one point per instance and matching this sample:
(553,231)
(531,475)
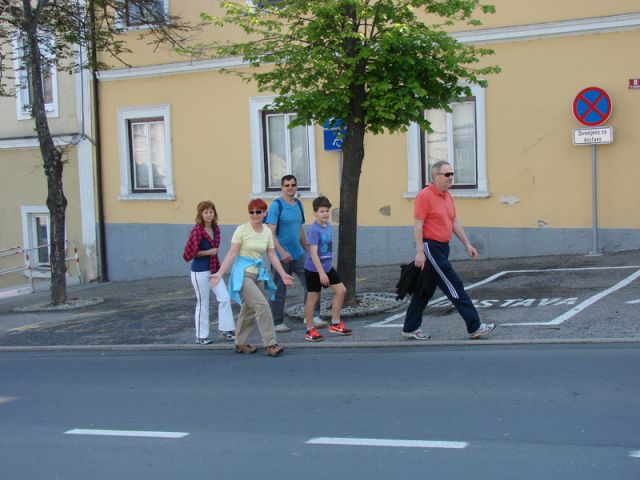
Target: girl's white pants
(200,281)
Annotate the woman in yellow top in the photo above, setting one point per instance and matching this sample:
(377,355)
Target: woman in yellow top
(249,243)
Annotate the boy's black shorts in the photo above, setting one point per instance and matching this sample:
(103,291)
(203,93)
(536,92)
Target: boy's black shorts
(313,279)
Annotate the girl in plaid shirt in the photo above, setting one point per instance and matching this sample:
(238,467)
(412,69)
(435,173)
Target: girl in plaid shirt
(202,250)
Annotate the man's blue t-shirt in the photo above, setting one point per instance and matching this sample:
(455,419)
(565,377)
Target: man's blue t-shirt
(288,222)
(322,236)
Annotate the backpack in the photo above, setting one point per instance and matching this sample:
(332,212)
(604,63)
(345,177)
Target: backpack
(280,206)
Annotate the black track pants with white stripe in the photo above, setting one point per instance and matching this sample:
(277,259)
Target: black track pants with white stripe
(444,276)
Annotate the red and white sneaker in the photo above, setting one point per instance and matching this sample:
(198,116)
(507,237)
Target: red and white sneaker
(339,328)
(313,336)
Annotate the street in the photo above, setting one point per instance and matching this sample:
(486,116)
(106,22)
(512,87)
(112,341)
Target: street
(487,411)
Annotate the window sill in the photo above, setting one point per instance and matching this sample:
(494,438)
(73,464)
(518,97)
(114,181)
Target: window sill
(147,196)
(456,194)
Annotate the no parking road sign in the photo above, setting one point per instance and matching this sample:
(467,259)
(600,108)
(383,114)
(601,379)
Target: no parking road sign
(592,106)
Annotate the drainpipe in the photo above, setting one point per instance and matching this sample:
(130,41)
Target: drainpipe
(101,242)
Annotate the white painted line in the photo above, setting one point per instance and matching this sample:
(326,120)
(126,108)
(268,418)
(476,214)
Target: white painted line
(7,399)
(385,442)
(578,308)
(635,453)
(633,301)
(126,433)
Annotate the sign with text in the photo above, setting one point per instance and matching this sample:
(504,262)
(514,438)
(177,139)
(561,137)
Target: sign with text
(592,136)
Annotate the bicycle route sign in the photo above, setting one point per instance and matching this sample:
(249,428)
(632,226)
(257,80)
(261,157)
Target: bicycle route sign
(592,106)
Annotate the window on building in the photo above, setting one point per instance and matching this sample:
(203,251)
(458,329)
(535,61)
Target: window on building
(277,150)
(453,140)
(139,13)
(24,98)
(145,153)
(458,137)
(36,235)
(286,150)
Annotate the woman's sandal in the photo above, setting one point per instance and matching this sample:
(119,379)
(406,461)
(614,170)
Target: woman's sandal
(274,350)
(245,348)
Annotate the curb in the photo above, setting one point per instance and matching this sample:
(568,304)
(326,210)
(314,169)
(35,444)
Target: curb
(394,344)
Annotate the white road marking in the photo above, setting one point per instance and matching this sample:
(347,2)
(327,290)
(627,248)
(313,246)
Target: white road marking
(126,433)
(578,308)
(386,322)
(635,453)
(633,301)
(386,442)
(7,399)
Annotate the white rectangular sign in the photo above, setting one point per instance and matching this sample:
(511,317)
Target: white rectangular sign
(590,136)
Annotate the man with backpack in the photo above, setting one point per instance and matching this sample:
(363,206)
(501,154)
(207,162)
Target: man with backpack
(285,219)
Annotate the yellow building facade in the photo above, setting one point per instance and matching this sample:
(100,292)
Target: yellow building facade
(25,219)
(175,132)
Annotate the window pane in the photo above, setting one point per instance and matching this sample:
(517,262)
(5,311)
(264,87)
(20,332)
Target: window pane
(42,238)
(300,156)
(140,152)
(464,142)
(47,86)
(144,11)
(437,146)
(276,148)
(157,155)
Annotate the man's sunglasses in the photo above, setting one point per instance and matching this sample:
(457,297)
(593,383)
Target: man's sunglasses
(448,174)
(255,212)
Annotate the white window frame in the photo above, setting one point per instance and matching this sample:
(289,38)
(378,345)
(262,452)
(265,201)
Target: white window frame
(126,182)
(29,213)
(414,181)
(23,107)
(258,162)
(121,22)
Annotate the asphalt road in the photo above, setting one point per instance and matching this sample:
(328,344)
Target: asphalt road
(482,412)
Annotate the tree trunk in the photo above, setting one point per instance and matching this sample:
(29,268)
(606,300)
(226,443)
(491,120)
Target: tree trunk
(52,157)
(353,150)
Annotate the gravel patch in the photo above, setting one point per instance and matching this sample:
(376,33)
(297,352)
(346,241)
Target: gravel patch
(72,304)
(369,303)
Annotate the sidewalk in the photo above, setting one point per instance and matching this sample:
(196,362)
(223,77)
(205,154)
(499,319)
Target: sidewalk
(159,313)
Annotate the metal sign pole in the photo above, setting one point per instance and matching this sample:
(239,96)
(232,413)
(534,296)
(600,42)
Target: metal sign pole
(594,190)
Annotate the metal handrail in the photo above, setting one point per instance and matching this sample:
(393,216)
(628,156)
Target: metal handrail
(25,252)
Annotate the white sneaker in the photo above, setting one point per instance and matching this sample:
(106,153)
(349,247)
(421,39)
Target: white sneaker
(319,323)
(483,329)
(282,328)
(416,335)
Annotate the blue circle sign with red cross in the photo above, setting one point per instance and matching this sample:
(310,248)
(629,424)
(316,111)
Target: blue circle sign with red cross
(592,106)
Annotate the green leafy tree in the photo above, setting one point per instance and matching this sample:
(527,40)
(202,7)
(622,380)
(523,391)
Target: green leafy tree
(376,64)
(52,32)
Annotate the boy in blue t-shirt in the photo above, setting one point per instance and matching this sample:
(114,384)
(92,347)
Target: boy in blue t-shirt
(319,272)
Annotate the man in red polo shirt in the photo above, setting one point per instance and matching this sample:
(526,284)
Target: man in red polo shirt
(435,222)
